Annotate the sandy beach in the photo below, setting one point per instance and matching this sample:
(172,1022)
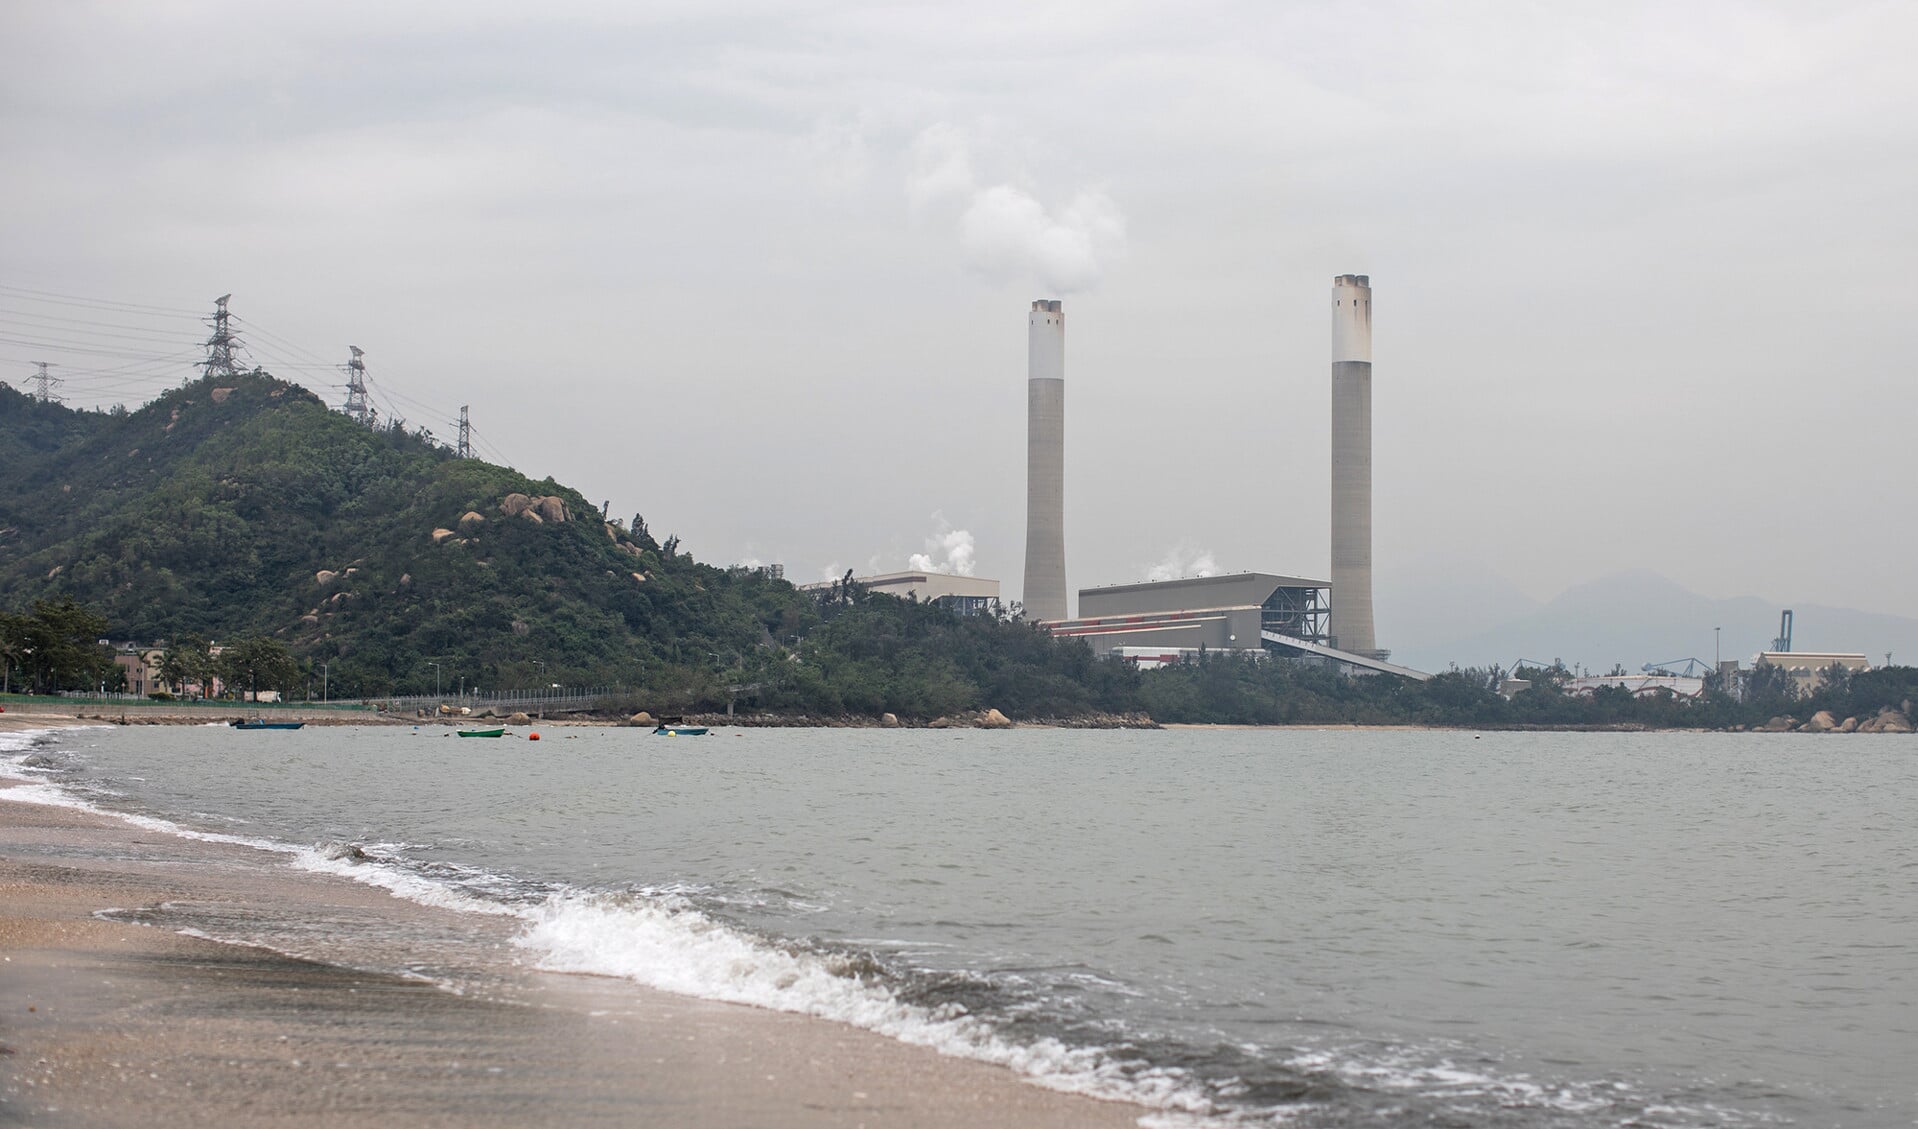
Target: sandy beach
(105,1021)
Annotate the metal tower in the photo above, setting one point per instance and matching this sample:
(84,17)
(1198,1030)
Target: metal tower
(1045,586)
(356,405)
(223,345)
(44,383)
(466,435)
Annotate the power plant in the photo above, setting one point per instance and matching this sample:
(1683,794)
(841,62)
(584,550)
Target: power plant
(1351,619)
(1045,585)
(1164,621)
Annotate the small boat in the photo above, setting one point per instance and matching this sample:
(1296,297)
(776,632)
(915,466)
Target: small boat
(262,723)
(482,732)
(676,727)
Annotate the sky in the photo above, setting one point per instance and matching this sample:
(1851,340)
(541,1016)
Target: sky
(759,271)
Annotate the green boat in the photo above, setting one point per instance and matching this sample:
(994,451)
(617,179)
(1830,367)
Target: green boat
(482,732)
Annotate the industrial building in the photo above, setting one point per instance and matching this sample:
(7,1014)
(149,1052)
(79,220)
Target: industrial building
(1256,612)
(967,595)
(1044,594)
(1807,668)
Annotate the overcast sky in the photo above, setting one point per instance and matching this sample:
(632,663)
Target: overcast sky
(1643,273)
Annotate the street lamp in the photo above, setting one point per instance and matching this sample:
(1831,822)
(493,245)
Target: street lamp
(436,678)
(326,669)
(1715,659)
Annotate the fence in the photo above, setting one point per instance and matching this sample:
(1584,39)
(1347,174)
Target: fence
(558,700)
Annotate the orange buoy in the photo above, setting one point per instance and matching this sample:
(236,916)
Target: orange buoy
(532,736)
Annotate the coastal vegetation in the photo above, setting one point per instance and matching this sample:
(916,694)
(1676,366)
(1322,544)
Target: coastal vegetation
(263,538)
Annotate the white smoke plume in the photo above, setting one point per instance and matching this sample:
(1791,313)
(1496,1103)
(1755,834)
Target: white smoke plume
(1005,231)
(1184,560)
(947,550)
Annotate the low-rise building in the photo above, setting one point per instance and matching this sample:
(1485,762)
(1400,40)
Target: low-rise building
(1807,668)
(967,595)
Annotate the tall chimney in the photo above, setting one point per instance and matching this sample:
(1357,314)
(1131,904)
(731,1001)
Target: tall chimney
(1045,587)
(1351,621)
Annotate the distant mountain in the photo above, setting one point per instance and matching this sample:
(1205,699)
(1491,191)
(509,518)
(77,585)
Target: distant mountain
(1436,600)
(1639,617)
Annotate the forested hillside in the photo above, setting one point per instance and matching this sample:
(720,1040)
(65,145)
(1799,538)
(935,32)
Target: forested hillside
(250,509)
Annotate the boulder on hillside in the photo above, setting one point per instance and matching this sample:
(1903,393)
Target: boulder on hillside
(641,720)
(325,576)
(993,719)
(551,508)
(889,720)
(514,505)
(442,535)
(471,520)
(220,394)
(1821,722)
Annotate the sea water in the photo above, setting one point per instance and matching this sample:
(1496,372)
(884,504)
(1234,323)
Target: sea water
(1315,928)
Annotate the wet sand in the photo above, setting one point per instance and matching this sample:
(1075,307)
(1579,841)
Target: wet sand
(108,1022)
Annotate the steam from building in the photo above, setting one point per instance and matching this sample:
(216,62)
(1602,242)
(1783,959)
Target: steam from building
(948,550)
(1182,561)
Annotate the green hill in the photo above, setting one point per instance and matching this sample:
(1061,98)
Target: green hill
(250,509)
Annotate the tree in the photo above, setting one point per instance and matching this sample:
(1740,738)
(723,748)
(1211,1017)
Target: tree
(255,663)
(13,631)
(186,661)
(58,646)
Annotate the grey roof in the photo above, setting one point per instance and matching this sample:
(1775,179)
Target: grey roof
(1233,590)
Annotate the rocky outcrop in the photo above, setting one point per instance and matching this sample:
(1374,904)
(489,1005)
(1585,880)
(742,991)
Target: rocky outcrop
(442,535)
(889,720)
(1821,722)
(1849,725)
(220,394)
(984,719)
(1784,723)
(538,509)
(520,718)
(640,720)
(471,520)
(1888,721)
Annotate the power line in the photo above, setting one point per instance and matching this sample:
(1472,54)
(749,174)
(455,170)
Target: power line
(90,303)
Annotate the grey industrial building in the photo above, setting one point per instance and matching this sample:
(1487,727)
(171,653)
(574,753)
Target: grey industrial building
(967,595)
(1247,611)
